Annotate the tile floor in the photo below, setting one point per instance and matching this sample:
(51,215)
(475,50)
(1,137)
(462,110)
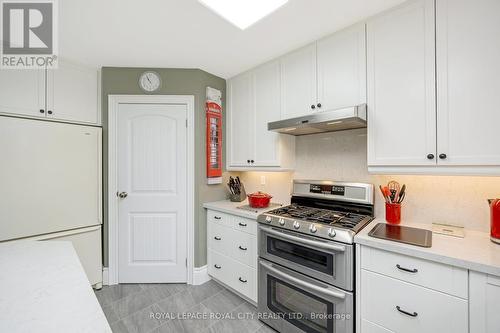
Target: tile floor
(179,308)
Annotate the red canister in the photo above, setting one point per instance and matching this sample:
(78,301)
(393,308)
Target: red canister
(495,220)
(393,212)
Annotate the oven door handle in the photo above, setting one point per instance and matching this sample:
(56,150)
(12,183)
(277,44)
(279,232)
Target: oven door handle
(323,245)
(301,283)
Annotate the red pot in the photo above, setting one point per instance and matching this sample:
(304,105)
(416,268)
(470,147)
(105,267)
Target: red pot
(259,199)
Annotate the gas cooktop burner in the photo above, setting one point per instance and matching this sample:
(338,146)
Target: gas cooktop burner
(325,216)
(329,210)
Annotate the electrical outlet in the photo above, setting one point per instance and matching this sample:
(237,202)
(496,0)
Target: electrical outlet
(262,180)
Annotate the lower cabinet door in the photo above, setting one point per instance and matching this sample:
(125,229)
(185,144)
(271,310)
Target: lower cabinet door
(240,277)
(403,307)
(484,303)
(219,237)
(369,327)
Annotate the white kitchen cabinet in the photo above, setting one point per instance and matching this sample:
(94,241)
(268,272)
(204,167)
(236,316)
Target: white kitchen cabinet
(232,252)
(267,109)
(69,93)
(253,101)
(400,293)
(468,82)
(341,70)
(484,303)
(72,94)
(401,86)
(22,92)
(241,118)
(426,123)
(299,82)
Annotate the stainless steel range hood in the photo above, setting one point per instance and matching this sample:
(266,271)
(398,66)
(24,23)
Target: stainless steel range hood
(319,122)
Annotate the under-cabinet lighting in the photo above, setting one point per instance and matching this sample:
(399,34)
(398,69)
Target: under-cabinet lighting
(290,129)
(335,122)
(243,13)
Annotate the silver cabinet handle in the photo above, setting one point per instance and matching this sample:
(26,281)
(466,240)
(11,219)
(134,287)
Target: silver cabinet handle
(301,283)
(406,269)
(323,245)
(414,314)
(122,195)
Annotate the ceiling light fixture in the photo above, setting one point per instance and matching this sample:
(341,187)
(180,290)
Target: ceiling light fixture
(243,13)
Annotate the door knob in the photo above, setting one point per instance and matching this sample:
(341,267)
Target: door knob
(122,195)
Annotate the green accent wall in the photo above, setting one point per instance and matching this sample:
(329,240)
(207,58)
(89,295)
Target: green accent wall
(125,81)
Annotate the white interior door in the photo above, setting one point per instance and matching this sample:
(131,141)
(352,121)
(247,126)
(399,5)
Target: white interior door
(152,218)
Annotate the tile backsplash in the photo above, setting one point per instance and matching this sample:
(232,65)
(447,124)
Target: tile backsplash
(341,156)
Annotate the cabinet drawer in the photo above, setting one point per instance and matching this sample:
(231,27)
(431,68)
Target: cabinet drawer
(426,310)
(219,237)
(245,225)
(220,218)
(440,277)
(240,277)
(219,266)
(244,248)
(369,327)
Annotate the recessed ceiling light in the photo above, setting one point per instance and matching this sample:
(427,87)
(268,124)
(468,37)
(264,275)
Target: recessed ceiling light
(243,13)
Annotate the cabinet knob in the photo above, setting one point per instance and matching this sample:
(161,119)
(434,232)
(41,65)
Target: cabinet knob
(313,106)
(251,161)
(248,161)
(430,156)
(442,156)
(319,105)
(42,111)
(49,112)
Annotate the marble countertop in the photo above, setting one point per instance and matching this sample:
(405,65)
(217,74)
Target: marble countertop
(229,207)
(475,251)
(43,288)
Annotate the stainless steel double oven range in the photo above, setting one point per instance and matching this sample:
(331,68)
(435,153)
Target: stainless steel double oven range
(306,257)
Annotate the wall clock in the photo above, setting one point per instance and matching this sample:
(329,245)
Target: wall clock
(150,81)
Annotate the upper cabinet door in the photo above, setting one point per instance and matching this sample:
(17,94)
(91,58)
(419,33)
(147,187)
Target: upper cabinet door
(72,94)
(342,69)
(22,92)
(401,86)
(241,117)
(468,81)
(298,82)
(267,109)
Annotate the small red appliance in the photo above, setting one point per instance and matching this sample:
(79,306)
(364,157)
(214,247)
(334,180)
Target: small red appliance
(259,199)
(495,220)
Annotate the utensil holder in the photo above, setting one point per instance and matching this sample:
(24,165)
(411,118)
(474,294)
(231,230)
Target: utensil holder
(238,197)
(393,213)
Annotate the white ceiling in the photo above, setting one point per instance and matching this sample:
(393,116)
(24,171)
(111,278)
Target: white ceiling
(185,34)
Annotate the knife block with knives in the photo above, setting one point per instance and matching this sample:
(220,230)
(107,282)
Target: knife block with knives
(236,190)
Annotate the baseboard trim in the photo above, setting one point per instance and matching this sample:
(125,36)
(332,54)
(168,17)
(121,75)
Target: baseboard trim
(200,275)
(105,276)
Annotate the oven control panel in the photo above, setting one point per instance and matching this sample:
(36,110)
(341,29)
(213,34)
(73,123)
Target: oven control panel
(327,189)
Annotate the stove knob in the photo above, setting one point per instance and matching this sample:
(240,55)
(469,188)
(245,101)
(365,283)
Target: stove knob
(296,225)
(331,232)
(281,222)
(269,219)
(313,228)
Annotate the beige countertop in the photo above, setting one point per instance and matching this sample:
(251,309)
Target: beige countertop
(475,251)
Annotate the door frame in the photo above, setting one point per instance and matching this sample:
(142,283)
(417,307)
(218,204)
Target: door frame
(113,104)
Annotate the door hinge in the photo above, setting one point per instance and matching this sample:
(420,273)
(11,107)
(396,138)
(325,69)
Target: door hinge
(186,262)
(186,123)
